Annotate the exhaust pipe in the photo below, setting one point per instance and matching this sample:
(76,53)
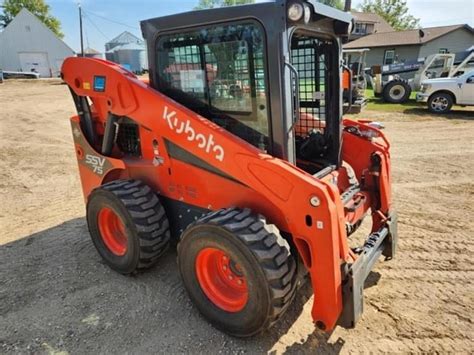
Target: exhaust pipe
(348,5)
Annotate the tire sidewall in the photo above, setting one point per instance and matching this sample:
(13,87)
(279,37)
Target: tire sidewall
(446,96)
(254,316)
(389,87)
(128,262)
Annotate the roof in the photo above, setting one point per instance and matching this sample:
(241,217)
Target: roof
(125,37)
(381,25)
(128,47)
(89,50)
(405,38)
(25,16)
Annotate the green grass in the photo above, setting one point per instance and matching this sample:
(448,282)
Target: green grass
(377,103)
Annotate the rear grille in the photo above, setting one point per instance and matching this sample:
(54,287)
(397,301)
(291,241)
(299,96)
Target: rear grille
(128,139)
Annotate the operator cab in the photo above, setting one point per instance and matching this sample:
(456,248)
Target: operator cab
(269,73)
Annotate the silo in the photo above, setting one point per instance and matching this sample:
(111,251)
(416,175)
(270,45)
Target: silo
(144,59)
(131,56)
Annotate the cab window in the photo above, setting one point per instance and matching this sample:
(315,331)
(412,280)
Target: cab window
(219,72)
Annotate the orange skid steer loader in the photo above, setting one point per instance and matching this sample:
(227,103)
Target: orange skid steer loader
(236,149)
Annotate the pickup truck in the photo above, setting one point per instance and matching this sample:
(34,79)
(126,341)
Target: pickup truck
(442,93)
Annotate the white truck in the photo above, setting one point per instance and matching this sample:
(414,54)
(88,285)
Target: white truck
(442,93)
(394,89)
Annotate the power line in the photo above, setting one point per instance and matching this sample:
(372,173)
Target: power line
(97,28)
(110,20)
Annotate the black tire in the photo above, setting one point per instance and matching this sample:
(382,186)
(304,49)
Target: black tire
(264,257)
(440,102)
(396,91)
(146,227)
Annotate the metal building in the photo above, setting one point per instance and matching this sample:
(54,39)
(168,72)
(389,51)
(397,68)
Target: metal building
(92,53)
(26,44)
(129,51)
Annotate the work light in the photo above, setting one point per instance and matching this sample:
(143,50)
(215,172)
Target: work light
(296,11)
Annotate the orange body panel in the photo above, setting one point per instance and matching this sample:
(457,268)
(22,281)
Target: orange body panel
(268,185)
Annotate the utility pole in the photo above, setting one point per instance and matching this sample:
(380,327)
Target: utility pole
(80,27)
(348,6)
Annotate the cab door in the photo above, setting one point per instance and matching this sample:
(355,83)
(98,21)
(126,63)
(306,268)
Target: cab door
(467,90)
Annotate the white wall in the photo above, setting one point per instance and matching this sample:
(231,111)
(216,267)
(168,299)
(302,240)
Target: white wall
(28,34)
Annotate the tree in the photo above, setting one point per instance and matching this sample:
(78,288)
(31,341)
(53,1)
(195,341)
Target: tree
(338,4)
(395,12)
(210,4)
(39,8)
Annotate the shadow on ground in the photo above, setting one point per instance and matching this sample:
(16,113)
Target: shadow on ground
(58,295)
(455,114)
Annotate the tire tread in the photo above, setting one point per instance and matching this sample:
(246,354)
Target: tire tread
(270,249)
(148,215)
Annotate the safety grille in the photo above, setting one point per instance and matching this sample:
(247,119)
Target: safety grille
(128,139)
(310,59)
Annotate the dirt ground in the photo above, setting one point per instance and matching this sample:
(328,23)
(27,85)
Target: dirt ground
(57,296)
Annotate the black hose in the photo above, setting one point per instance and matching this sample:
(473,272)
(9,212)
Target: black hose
(109,134)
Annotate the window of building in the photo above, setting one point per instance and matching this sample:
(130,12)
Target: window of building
(360,28)
(443,50)
(389,57)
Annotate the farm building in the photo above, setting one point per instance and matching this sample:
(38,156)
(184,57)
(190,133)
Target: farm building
(403,46)
(129,51)
(26,44)
(92,53)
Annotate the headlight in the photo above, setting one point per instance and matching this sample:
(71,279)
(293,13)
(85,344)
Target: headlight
(425,87)
(296,11)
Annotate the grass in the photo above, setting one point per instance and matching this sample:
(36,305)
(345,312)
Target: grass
(377,103)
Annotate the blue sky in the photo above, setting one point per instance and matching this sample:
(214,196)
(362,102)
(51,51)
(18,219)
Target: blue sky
(101,15)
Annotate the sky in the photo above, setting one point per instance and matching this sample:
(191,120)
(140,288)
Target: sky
(106,19)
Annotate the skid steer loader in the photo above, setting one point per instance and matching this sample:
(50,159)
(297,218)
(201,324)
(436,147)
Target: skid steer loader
(235,148)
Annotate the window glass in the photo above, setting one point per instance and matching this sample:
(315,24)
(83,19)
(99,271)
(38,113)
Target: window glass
(219,72)
(389,57)
(361,28)
(231,90)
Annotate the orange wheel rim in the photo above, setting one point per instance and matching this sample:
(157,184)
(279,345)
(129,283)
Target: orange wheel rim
(112,231)
(221,280)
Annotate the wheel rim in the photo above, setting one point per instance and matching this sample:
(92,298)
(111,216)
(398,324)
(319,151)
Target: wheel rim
(221,280)
(440,104)
(112,231)
(397,92)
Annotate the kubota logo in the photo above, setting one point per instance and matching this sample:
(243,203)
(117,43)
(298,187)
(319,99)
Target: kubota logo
(96,163)
(184,127)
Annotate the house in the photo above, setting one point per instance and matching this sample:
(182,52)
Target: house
(129,51)
(404,46)
(27,44)
(366,23)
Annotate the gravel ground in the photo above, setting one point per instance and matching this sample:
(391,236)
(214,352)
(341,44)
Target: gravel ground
(57,296)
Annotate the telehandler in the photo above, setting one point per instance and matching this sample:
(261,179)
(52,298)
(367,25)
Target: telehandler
(235,148)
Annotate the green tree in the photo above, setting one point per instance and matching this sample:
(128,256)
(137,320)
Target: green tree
(39,8)
(338,4)
(395,12)
(210,4)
